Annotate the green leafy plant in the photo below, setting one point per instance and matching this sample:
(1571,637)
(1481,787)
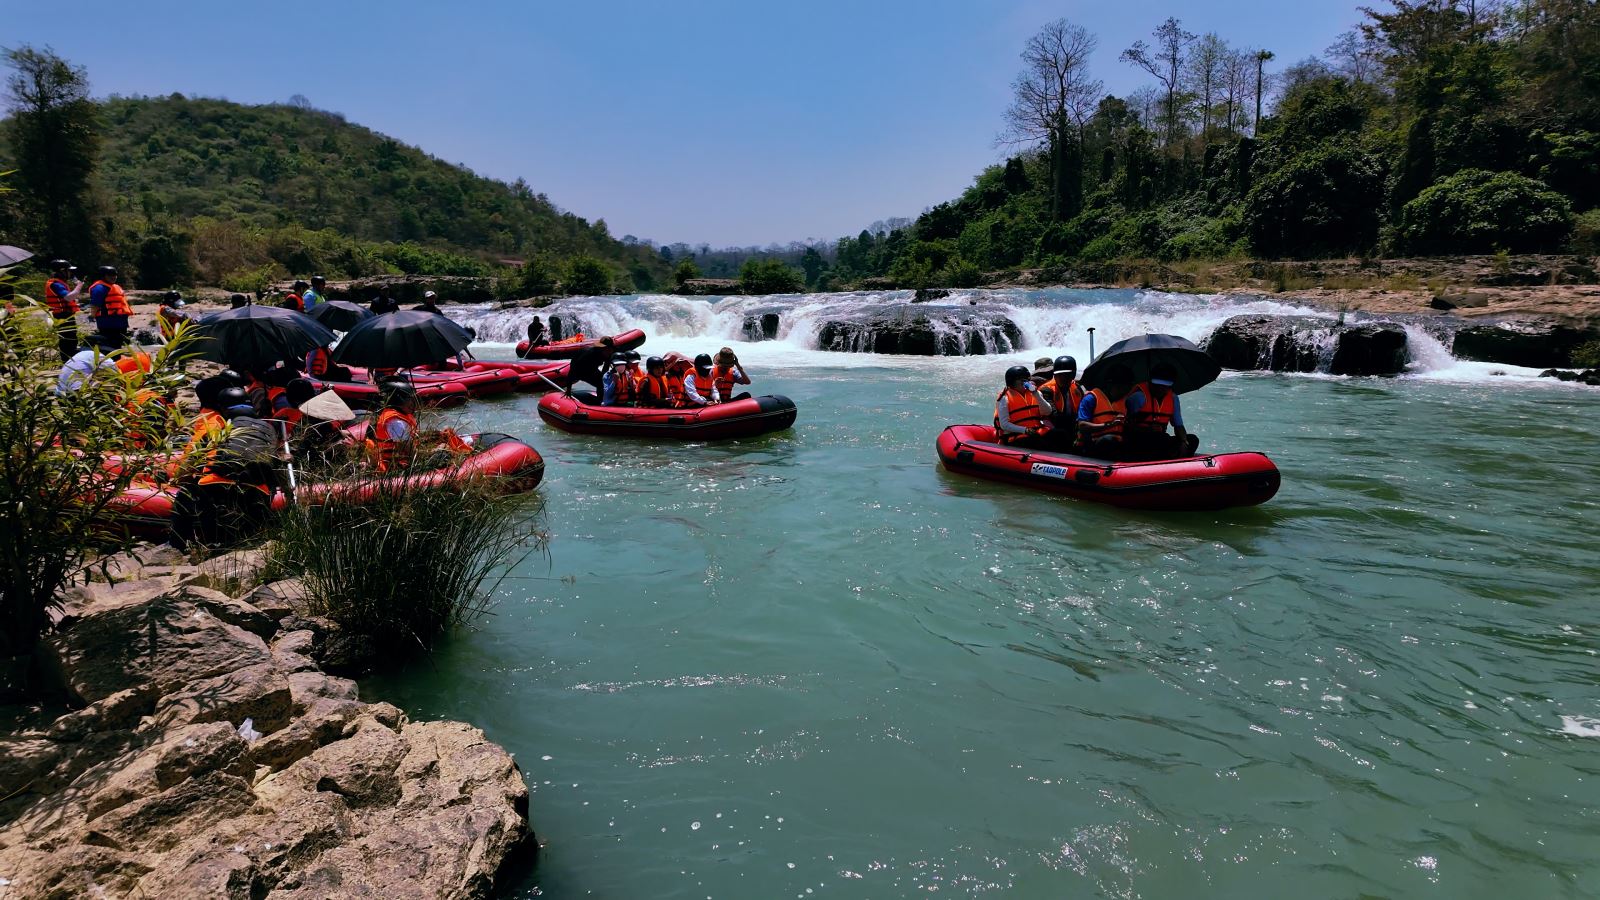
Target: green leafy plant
(1587,355)
(770,276)
(587,276)
(1479,211)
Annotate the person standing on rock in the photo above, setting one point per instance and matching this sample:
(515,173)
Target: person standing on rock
(108,306)
(311,298)
(62,301)
(384,303)
(430,303)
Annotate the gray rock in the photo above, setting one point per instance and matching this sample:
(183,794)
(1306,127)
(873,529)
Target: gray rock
(923,332)
(259,692)
(1535,342)
(763,327)
(1377,348)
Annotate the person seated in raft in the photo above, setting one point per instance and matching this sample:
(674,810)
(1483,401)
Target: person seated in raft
(536,335)
(727,373)
(320,364)
(1103,415)
(1064,394)
(589,366)
(231,493)
(635,372)
(699,387)
(620,387)
(1021,415)
(1151,408)
(1043,370)
(396,443)
(655,388)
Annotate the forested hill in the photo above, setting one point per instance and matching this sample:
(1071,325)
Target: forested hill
(169,162)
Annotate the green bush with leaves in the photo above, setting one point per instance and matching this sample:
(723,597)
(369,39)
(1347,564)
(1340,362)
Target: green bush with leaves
(587,276)
(1475,211)
(1326,201)
(59,497)
(770,276)
(686,272)
(960,273)
(1586,232)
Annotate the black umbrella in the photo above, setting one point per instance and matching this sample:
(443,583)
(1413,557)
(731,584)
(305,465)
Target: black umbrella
(259,337)
(400,340)
(340,315)
(10,256)
(1193,368)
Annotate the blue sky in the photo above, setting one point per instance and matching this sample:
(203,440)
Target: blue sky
(701,120)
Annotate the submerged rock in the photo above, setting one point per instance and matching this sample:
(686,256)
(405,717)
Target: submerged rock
(1308,344)
(920,332)
(762,327)
(1590,377)
(1534,342)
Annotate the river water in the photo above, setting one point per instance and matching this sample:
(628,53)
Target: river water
(813,664)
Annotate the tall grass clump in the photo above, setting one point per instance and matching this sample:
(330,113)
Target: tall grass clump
(407,561)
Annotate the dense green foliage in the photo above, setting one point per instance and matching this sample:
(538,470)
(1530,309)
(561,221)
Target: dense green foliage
(194,189)
(1438,126)
(769,276)
(53,126)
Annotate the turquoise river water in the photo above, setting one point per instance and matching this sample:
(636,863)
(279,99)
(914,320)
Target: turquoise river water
(813,664)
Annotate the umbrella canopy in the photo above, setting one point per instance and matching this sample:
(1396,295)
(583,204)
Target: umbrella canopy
(1192,367)
(259,337)
(400,340)
(340,315)
(10,256)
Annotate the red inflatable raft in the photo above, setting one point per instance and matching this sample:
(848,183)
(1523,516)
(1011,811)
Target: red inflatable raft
(433,388)
(501,461)
(627,340)
(739,418)
(1198,482)
(535,375)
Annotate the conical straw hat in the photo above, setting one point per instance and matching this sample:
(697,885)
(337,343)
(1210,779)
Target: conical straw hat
(329,406)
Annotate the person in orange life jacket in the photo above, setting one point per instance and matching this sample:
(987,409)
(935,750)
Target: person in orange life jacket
(231,494)
(168,316)
(1103,415)
(589,364)
(295,299)
(634,372)
(61,299)
(1021,415)
(1064,394)
(699,387)
(430,303)
(108,306)
(655,388)
(727,374)
(320,364)
(1151,408)
(620,389)
(311,298)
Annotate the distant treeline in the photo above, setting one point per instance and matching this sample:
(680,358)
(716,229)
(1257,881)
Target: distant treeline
(1435,127)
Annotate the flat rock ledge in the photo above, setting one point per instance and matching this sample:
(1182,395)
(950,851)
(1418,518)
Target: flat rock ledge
(149,786)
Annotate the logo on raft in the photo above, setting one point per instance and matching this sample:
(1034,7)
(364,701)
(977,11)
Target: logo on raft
(1049,471)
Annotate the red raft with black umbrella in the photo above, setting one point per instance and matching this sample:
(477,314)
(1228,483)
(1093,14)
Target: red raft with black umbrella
(737,418)
(1200,482)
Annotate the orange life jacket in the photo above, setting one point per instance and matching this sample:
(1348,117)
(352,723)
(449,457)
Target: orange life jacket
(703,385)
(207,426)
(627,386)
(135,362)
(1067,405)
(116,303)
(1155,415)
(384,448)
(60,307)
(1022,407)
(290,415)
(138,433)
(167,320)
(724,379)
(675,391)
(1105,410)
(295,302)
(655,390)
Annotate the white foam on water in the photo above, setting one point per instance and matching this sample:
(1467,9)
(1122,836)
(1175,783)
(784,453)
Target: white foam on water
(1582,726)
(1051,322)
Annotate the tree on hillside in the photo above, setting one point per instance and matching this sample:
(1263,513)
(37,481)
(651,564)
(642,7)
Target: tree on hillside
(1054,97)
(1208,74)
(587,276)
(54,136)
(1165,61)
(686,272)
(1262,58)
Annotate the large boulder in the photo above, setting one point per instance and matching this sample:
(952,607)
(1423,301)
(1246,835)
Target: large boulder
(1377,348)
(1534,342)
(762,327)
(923,332)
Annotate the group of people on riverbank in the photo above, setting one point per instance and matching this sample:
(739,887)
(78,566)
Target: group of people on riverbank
(1122,420)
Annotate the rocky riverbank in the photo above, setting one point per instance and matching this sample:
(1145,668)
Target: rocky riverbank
(204,751)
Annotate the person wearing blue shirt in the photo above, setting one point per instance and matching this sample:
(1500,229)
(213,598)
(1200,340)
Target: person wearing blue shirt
(314,296)
(1151,408)
(612,380)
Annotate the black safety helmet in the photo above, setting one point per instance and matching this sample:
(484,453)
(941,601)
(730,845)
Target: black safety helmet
(300,286)
(59,265)
(654,364)
(619,359)
(633,356)
(399,393)
(703,361)
(107,272)
(1066,364)
(238,301)
(234,401)
(318,279)
(172,298)
(1016,374)
(232,376)
(299,390)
